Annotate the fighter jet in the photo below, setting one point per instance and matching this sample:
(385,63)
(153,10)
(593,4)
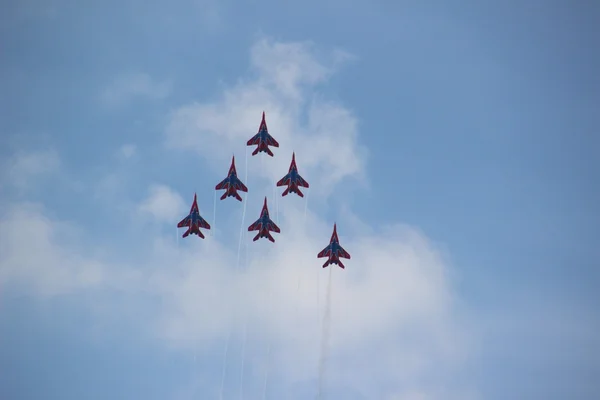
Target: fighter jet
(334,251)
(194,221)
(264,225)
(293,180)
(232,183)
(262,139)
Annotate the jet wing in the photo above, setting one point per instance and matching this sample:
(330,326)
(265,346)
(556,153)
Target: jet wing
(238,185)
(255,140)
(184,222)
(256,226)
(285,181)
(223,185)
(271,226)
(343,253)
(326,252)
(302,182)
(203,224)
(271,141)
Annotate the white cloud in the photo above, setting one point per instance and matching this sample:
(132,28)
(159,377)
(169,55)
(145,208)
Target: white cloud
(163,204)
(51,269)
(288,67)
(325,142)
(127,151)
(393,309)
(24,167)
(129,86)
(393,319)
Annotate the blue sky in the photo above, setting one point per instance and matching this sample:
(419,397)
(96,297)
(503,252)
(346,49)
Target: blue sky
(455,145)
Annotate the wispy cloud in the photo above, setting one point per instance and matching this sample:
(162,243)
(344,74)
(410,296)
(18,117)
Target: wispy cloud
(127,151)
(323,133)
(24,167)
(51,269)
(127,87)
(162,203)
(392,309)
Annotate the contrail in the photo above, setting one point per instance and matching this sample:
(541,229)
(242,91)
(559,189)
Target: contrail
(264,396)
(268,357)
(243,360)
(325,337)
(246,316)
(301,269)
(243,234)
(224,365)
(237,267)
(214,227)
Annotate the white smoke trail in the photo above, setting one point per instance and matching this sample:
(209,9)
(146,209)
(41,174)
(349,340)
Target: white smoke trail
(325,337)
(268,356)
(214,224)
(246,266)
(226,352)
(276,201)
(318,291)
(243,216)
(301,271)
(224,370)
(243,359)
(266,382)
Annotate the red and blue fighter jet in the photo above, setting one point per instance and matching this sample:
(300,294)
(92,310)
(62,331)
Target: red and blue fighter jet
(232,183)
(193,221)
(264,225)
(334,251)
(293,180)
(262,139)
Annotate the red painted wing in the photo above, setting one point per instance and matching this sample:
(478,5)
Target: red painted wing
(285,181)
(326,252)
(223,185)
(302,182)
(273,227)
(255,140)
(343,253)
(184,222)
(240,186)
(203,224)
(271,141)
(255,226)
